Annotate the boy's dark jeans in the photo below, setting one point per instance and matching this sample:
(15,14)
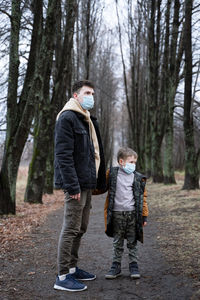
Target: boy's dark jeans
(75,222)
(124,224)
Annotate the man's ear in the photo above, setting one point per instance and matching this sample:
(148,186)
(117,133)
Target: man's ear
(75,95)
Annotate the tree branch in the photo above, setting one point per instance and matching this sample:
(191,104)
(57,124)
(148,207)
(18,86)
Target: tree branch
(7,14)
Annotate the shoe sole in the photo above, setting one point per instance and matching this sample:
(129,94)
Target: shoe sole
(112,276)
(87,279)
(57,287)
(135,276)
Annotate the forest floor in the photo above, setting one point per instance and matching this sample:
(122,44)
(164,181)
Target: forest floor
(169,259)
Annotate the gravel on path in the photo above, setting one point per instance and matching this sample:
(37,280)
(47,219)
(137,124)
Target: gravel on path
(29,272)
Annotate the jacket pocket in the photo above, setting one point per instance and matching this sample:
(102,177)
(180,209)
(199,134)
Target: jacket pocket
(81,138)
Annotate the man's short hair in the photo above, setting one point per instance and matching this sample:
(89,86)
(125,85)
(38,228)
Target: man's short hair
(123,153)
(79,84)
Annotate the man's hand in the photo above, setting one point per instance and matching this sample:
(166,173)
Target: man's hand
(77,196)
(145,224)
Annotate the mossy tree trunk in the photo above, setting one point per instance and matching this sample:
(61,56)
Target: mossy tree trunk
(147,144)
(156,104)
(49,175)
(42,131)
(43,138)
(156,160)
(138,87)
(19,110)
(37,167)
(168,163)
(191,170)
(173,69)
(9,169)
(164,92)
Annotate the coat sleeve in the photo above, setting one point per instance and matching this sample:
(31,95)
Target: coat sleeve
(64,150)
(102,191)
(145,211)
(106,211)
(107,199)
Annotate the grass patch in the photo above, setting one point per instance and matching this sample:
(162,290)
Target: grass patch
(176,213)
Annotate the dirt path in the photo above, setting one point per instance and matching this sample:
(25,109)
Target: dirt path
(29,273)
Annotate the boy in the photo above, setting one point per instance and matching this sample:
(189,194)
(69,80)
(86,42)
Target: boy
(125,211)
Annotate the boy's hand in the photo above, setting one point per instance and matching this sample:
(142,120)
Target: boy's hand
(144,219)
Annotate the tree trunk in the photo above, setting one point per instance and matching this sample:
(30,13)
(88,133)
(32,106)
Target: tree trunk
(130,113)
(168,169)
(48,186)
(191,170)
(44,139)
(88,46)
(156,163)
(175,57)
(156,111)
(136,81)
(168,95)
(37,167)
(9,169)
(19,113)
(147,144)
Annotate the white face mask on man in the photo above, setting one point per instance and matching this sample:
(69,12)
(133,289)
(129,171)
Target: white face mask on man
(85,97)
(88,102)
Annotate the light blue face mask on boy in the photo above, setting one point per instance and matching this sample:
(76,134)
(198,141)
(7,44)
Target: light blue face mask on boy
(88,102)
(129,168)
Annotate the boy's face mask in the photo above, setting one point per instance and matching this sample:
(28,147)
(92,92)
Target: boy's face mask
(129,168)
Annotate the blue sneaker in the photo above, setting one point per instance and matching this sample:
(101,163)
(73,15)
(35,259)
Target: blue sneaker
(82,275)
(69,284)
(114,272)
(134,271)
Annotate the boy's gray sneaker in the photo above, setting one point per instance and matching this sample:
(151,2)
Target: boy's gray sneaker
(134,271)
(114,272)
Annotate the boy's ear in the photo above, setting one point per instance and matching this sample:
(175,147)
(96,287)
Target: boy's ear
(121,161)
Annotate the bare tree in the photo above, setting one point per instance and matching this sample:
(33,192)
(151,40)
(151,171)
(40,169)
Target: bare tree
(171,78)
(19,110)
(43,142)
(106,98)
(191,171)
(88,28)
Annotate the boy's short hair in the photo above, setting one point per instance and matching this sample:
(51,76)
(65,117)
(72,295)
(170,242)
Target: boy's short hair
(79,84)
(123,153)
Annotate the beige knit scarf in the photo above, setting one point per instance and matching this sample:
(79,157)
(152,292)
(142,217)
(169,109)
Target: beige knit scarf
(74,105)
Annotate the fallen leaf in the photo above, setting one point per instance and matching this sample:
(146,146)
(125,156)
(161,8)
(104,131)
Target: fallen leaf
(31,273)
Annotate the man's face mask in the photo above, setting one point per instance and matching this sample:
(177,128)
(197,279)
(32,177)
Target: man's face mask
(88,102)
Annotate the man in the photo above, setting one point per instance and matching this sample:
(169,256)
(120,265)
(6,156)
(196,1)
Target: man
(79,168)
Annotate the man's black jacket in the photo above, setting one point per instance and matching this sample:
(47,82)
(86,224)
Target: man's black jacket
(74,154)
